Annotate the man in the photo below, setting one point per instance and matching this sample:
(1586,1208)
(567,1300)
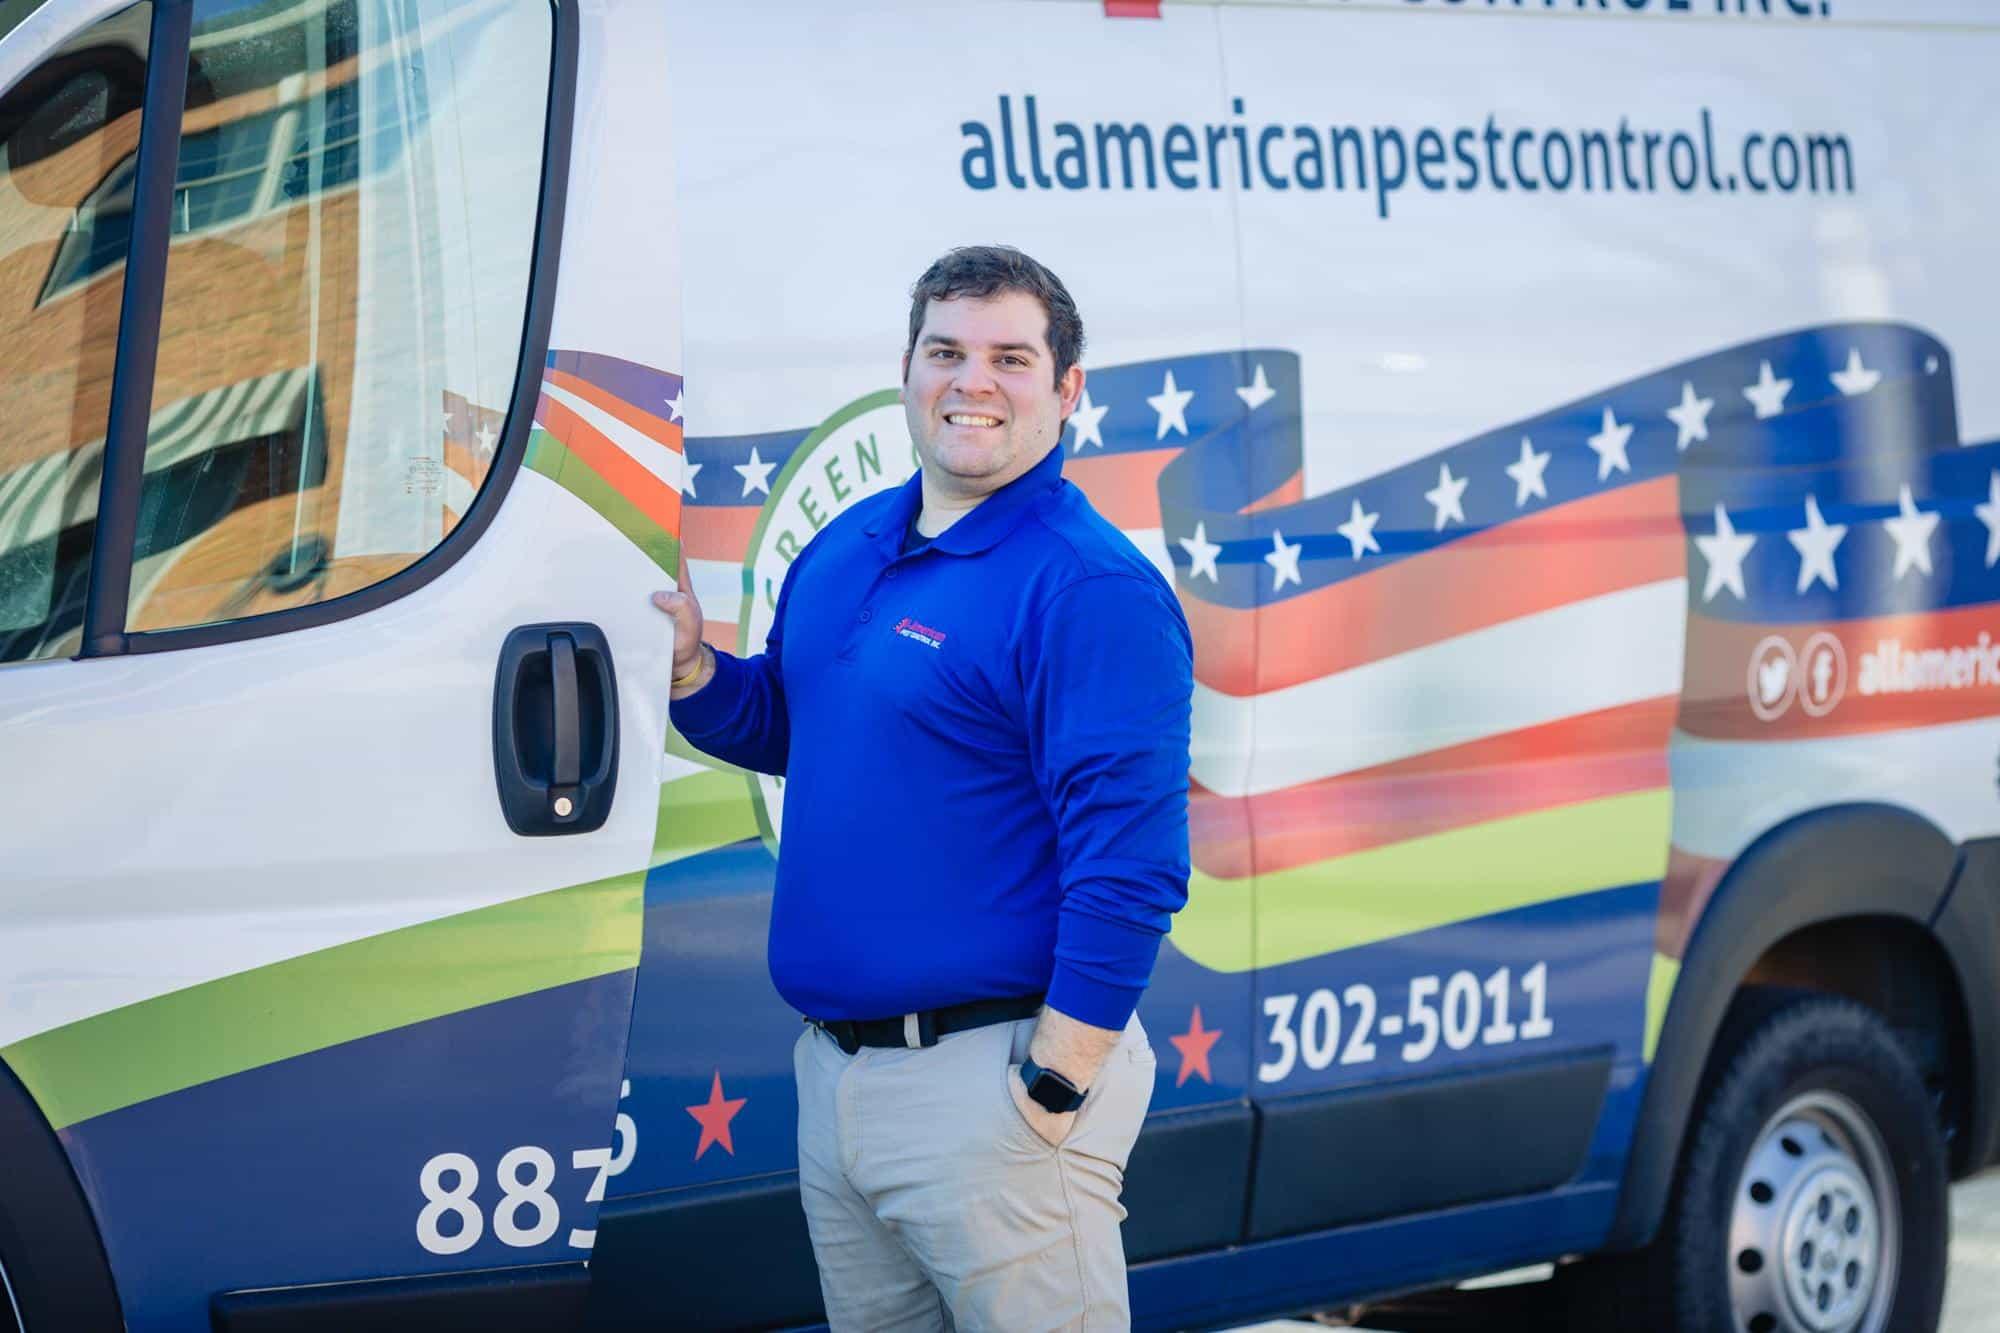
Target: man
(979,694)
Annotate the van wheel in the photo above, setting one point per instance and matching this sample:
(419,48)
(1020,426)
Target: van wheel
(10,1316)
(53,1272)
(1813,1195)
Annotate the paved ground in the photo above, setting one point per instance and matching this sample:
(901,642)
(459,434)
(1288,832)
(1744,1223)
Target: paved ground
(1972,1296)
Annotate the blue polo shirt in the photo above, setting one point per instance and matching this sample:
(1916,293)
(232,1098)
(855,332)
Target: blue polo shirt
(985,750)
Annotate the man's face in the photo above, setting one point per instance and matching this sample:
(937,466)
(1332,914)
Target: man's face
(980,392)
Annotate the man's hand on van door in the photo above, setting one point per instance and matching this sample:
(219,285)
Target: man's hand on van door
(685,608)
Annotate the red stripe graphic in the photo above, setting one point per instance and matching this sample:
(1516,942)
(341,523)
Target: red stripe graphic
(1125,488)
(460,458)
(1684,895)
(718,532)
(1582,758)
(1587,548)
(666,432)
(1289,492)
(655,499)
(1879,674)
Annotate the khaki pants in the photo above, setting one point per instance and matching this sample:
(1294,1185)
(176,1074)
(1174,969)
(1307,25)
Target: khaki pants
(934,1205)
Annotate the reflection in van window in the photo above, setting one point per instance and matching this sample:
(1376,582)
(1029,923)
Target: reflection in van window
(347,281)
(64,128)
(232,170)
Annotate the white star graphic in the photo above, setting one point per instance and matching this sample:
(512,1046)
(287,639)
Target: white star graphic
(1857,378)
(756,473)
(1767,395)
(1815,543)
(485,438)
(1609,446)
(1724,552)
(692,469)
(1258,391)
(1360,531)
(1202,552)
(675,403)
(1989,514)
(1086,421)
(1283,558)
(1691,417)
(1171,403)
(1930,365)
(1912,530)
(1527,474)
(1446,497)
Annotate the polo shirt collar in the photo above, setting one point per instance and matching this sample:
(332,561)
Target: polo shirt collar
(993,518)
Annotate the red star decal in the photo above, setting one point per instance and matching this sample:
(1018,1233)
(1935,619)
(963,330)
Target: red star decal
(1194,1046)
(714,1116)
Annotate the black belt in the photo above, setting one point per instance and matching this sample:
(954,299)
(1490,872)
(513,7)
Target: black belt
(924,1029)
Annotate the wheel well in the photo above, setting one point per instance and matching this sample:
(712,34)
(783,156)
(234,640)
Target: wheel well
(57,1272)
(1878,873)
(1898,969)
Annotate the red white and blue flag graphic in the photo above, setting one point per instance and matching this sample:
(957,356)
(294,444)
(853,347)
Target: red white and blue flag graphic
(1783,539)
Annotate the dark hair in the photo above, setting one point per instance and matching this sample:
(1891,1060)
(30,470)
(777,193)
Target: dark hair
(983,271)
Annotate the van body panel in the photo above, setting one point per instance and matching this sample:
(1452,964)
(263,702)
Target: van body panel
(1587,539)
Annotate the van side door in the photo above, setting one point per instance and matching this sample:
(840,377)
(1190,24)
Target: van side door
(332,695)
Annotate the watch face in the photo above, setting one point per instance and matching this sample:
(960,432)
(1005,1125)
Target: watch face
(1053,1093)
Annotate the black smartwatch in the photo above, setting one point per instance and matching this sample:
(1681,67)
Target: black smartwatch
(1050,1090)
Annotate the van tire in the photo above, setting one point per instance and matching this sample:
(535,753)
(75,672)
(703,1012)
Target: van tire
(1812,1125)
(56,1277)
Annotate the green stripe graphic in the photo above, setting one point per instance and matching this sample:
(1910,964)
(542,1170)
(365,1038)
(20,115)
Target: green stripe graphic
(1343,903)
(1425,883)
(702,812)
(1659,994)
(548,456)
(352,990)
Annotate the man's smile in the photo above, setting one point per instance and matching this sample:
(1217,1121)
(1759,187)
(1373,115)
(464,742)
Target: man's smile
(969,419)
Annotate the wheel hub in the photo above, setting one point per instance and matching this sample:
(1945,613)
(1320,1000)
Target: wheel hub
(1813,1237)
(1829,1257)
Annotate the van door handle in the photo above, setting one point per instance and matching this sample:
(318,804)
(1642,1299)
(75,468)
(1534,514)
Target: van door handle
(568,763)
(555,729)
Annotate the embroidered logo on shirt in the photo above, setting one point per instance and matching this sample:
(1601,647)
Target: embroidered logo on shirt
(924,634)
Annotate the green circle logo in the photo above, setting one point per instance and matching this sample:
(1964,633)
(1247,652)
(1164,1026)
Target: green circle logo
(859,451)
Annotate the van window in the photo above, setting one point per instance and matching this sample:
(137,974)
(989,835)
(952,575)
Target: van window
(347,279)
(64,128)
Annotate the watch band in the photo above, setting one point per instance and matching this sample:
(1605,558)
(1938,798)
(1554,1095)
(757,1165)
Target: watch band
(1050,1090)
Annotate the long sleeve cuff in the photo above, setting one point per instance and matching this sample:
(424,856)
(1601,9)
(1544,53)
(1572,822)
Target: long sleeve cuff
(715,704)
(1101,969)
(1094,1002)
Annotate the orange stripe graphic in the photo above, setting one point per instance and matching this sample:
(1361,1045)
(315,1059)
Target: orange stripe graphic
(666,432)
(654,498)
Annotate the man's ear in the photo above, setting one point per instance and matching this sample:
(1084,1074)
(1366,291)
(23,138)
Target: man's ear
(903,383)
(1070,388)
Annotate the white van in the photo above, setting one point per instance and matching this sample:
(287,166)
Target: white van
(1567,426)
